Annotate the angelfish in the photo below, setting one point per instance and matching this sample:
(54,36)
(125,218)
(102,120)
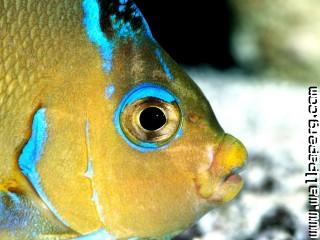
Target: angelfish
(102,134)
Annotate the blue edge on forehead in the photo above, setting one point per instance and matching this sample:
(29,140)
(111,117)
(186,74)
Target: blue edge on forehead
(139,92)
(122,29)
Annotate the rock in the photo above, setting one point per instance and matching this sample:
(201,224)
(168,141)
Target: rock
(278,220)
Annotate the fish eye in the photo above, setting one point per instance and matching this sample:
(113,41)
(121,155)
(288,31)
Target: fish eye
(152,118)
(149,117)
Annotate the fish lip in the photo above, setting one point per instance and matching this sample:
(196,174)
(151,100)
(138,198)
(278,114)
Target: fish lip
(221,182)
(235,172)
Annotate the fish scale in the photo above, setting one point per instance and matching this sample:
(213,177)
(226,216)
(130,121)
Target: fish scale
(24,64)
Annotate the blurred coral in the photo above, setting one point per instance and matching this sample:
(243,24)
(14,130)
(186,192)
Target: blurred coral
(277,37)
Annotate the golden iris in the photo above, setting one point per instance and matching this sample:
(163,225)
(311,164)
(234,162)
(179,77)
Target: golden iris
(151,120)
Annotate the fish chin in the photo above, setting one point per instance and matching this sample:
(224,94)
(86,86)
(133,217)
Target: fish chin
(222,181)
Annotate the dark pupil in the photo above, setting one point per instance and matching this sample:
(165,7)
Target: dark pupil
(152,118)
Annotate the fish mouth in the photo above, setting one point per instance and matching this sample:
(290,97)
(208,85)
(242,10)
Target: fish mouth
(222,181)
(234,176)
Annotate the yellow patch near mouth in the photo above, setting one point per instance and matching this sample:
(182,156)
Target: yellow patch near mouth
(220,183)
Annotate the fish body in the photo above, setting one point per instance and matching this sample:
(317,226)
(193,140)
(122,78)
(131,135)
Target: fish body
(102,134)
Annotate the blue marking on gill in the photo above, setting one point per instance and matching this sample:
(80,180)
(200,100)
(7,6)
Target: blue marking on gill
(90,174)
(164,65)
(31,155)
(95,199)
(92,25)
(98,235)
(141,91)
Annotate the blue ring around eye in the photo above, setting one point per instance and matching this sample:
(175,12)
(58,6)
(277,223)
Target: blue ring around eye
(141,91)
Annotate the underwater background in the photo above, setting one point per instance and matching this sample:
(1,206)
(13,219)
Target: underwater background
(254,60)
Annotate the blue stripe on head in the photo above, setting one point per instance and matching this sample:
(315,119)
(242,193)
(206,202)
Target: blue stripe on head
(164,65)
(137,13)
(92,25)
(31,155)
(122,29)
(139,92)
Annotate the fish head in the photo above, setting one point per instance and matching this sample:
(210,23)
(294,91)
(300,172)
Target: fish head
(165,158)
(172,161)
(138,152)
